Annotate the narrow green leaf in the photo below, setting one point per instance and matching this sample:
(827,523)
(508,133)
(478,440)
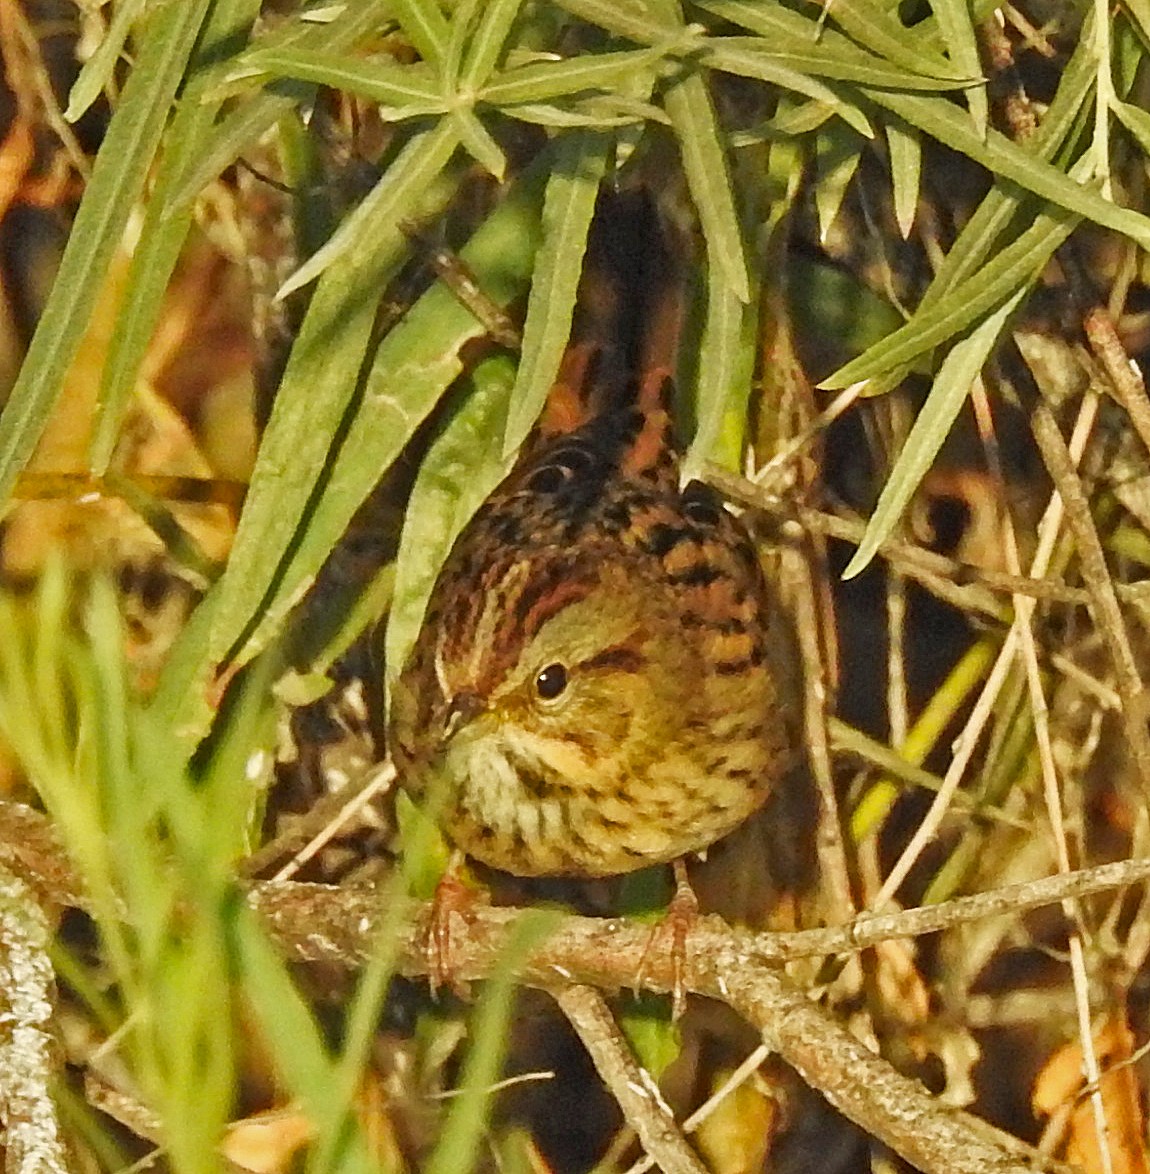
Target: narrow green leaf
(161,239)
(590,115)
(378,214)
(380,79)
(458,1148)
(1127,55)
(722,383)
(1015,267)
(705,163)
(981,235)
(117,179)
(765,68)
(295,1040)
(1007,159)
(890,45)
(877,28)
(544,80)
(905,151)
(703,150)
(958,33)
(425,27)
(420,854)
(625,19)
(951,387)
(655,1037)
(464,15)
(97,71)
(935,117)
(256,114)
(1136,121)
(318,384)
(1139,11)
(628,18)
(413,366)
(487,45)
(181,697)
(838,156)
(755,57)
(460,469)
(793,120)
(581,161)
(478,143)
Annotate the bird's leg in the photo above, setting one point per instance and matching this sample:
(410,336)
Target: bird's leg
(675,925)
(453,897)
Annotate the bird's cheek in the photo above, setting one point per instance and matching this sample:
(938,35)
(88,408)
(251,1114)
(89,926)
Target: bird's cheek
(601,712)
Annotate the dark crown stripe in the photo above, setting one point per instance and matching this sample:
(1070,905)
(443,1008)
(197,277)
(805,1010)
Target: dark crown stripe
(543,594)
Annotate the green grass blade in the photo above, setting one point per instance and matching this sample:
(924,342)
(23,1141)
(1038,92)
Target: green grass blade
(958,33)
(1136,121)
(458,1148)
(256,114)
(1015,267)
(99,69)
(161,238)
(293,1037)
(318,384)
(951,387)
(581,161)
(412,88)
(118,176)
(461,467)
(413,366)
(425,27)
(487,45)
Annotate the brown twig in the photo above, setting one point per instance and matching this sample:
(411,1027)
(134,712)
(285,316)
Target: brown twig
(1130,391)
(966,587)
(317,923)
(1123,375)
(722,964)
(829,843)
(28,1056)
(1108,616)
(320,923)
(632,1086)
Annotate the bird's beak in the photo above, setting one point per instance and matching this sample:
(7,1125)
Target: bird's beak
(465,705)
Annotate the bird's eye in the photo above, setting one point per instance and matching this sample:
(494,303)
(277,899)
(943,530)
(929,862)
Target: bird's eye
(700,505)
(551,682)
(559,466)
